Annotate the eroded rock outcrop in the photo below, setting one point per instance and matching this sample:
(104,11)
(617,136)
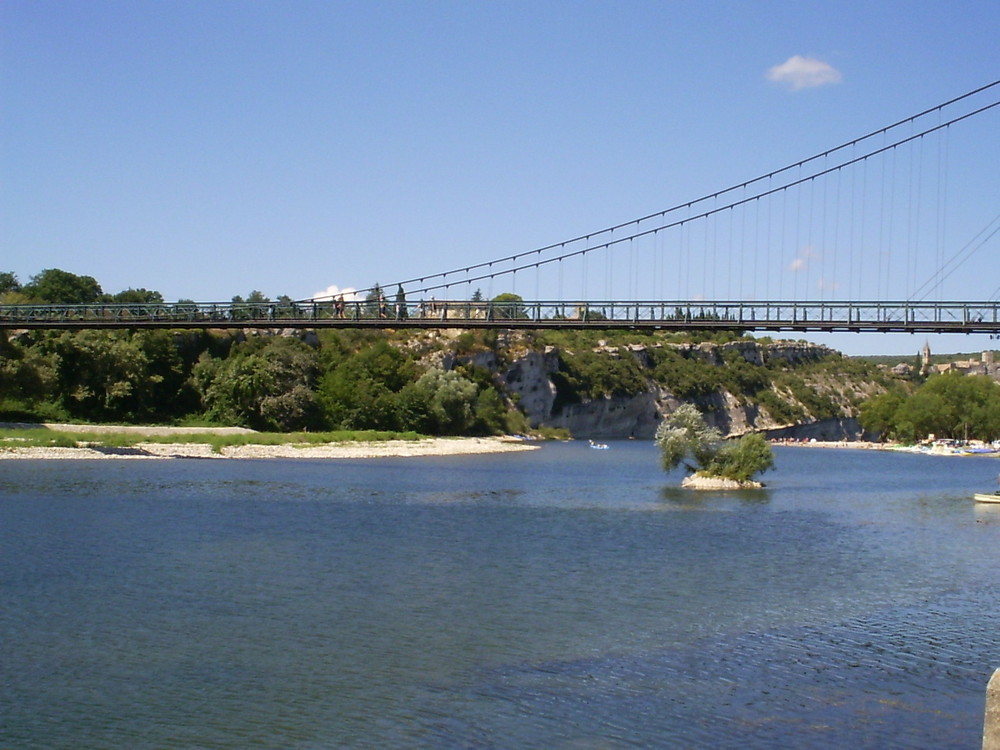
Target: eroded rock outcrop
(530,380)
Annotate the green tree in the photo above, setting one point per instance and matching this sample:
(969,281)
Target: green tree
(375,304)
(877,415)
(136,297)
(8,283)
(450,400)
(171,357)
(59,287)
(400,309)
(363,390)
(508,306)
(685,439)
(741,459)
(105,375)
(29,380)
(590,375)
(952,405)
(265,384)
(492,415)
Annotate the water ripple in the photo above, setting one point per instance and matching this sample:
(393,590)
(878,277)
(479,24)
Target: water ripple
(908,677)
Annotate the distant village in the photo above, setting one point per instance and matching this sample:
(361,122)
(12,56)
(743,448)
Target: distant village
(985,365)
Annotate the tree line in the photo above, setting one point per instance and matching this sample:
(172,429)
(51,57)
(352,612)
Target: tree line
(339,380)
(948,406)
(342,380)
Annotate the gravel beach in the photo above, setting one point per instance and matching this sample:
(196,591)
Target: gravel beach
(375,449)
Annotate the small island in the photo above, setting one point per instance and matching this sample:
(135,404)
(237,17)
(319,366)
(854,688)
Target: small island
(685,440)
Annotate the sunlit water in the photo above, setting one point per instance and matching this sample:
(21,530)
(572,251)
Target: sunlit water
(564,598)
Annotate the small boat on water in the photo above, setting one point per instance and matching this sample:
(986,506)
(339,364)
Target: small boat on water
(598,446)
(987,497)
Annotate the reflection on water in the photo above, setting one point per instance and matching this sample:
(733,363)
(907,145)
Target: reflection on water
(559,598)
(675,496)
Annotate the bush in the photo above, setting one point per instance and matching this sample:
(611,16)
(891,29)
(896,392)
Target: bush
(684,438)
(742,459)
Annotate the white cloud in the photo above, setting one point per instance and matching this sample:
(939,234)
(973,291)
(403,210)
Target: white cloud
(806,253)
(799,72)
(349,293)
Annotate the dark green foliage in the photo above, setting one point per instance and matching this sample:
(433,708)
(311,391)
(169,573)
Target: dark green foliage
(29,382)
(952,406)
(818,405)
(362,390)
(589,375)
(781,411)
(400,310)
(685,376)
(375,303)
(450,401)
(742,459)
(59,287)
(878,415)
(465,343)
(263,384)
(105,375)
(8,283)
(508,306)
(741,378)
(135,296)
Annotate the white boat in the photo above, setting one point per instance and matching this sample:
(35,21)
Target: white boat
(598,446)
(987,497)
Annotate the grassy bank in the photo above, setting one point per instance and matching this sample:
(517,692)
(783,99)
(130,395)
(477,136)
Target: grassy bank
(42,437)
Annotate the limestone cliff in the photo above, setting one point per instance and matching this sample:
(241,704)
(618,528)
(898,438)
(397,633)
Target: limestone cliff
(790,389)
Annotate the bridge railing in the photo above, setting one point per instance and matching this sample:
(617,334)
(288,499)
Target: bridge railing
(669,314)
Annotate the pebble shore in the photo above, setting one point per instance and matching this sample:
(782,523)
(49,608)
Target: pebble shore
(374,449)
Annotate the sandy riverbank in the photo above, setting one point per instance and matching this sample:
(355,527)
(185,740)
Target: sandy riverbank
(854,444)
(374,449)
(922,450)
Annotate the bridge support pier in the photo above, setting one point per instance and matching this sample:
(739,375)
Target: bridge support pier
(991,722)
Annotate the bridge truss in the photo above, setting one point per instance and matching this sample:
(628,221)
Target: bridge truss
(666,315)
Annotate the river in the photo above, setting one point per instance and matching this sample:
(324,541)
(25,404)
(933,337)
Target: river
(559,598)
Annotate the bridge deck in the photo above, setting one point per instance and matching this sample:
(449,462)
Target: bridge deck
(910,317)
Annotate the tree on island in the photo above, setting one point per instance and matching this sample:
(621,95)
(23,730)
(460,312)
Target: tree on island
(685,439)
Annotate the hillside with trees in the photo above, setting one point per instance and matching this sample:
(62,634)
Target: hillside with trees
(447,382)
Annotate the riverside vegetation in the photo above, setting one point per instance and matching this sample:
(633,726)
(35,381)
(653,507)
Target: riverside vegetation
(428,382)
(947,406)
(685,439)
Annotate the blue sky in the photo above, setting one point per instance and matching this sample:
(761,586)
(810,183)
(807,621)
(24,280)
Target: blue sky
(207,149)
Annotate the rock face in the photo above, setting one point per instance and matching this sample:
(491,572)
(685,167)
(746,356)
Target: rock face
(528,379)
(702,482)
(611,417)
(824,430)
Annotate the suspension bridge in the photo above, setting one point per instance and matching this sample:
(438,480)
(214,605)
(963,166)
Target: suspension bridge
(888,232)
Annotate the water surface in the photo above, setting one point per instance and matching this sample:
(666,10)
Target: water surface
(559,598)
